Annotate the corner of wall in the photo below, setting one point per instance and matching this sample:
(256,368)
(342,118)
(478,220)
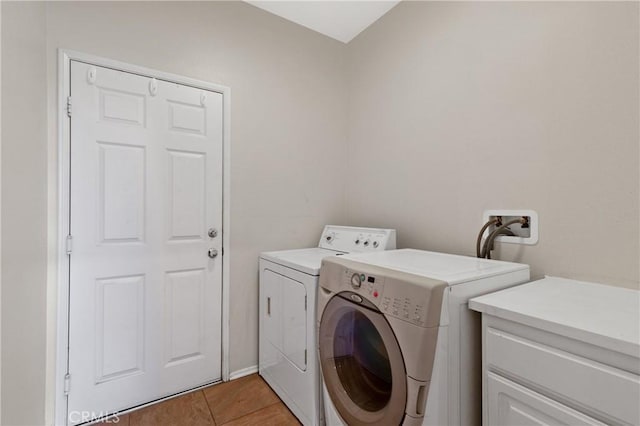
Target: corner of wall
(0,212)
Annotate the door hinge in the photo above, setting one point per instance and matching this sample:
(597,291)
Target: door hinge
(67,383)
(305,357)
(305,303)
(68,106)
(69,244)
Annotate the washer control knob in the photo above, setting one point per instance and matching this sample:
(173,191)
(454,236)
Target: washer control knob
(376,244)
(357,241)
(356,282)
(366,243)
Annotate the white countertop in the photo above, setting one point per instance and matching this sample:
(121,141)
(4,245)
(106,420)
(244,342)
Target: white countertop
(602,315)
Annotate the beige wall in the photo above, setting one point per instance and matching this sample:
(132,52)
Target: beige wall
(0,214)
(455,108)
(24,214)
(288,101)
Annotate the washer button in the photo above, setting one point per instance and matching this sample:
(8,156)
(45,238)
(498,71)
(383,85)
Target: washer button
(356,298)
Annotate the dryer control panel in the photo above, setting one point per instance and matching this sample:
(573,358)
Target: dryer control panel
(357,240)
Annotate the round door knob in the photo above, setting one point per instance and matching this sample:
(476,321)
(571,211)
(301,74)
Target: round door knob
(212,233)
(212,253)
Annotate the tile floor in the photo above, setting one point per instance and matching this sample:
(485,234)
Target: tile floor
(242,402)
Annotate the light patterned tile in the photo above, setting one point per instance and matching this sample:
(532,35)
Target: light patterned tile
(273,415)
(234,399)
(190,409)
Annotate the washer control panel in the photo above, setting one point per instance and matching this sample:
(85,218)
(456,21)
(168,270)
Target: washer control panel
(394,298)
(403,308)
(357,240)
(367,285)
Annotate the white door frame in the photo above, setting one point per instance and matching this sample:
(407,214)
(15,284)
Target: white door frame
(64,152)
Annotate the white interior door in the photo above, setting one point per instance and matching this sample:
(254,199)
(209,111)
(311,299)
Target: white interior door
(146,186)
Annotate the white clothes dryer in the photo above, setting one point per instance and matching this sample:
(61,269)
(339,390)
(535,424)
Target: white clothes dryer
(397,343)
(287,342)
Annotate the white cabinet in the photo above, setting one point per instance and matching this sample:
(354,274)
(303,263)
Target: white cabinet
(560,352)
(510,404)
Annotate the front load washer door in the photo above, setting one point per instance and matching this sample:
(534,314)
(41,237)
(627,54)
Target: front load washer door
(362,365)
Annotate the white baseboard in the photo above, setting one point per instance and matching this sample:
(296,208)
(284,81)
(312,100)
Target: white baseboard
(243,372)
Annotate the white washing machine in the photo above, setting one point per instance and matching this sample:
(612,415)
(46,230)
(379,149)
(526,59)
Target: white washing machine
(288,286)
(397,343)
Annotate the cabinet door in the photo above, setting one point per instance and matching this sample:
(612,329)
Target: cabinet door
(512,404)
(565,376)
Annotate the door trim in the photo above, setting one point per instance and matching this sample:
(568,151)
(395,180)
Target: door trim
(64,180)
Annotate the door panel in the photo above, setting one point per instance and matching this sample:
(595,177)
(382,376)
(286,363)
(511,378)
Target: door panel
(187,118)
(121,192)
(294,317)
(285,325)
(146,185)
(185,315)
(119,331)
(187,195)
(122,107)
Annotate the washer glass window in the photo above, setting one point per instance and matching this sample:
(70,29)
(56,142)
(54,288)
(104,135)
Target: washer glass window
(362,366)
(362,361)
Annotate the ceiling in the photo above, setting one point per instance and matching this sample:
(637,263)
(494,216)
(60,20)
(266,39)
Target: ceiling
(341,20)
